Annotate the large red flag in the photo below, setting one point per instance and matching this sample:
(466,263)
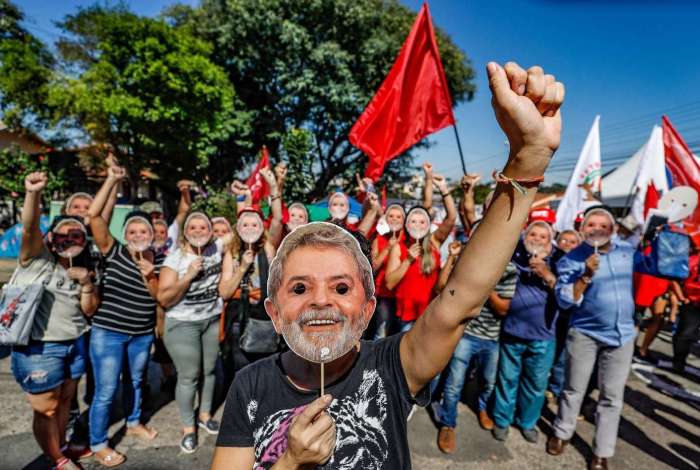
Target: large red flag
(680,161)
(256,182)
(651,199)
(413,101)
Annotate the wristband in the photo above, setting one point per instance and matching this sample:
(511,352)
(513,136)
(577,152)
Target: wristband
(519,184)
(444,195)
(83,291)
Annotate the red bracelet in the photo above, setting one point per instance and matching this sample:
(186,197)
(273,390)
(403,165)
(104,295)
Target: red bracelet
(518,183)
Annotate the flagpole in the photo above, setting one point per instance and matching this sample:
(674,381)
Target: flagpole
(459,147)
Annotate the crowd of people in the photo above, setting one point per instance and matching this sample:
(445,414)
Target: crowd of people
(201,289)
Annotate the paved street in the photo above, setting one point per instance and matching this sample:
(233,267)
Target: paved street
(658,431)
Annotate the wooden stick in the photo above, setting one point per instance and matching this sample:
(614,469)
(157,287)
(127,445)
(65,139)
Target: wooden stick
(323,378)
(70,261)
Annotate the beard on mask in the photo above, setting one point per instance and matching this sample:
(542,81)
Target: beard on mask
(322,346)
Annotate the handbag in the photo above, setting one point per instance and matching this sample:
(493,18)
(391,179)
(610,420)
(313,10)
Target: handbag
(18,306)
(259,336)
(668,258)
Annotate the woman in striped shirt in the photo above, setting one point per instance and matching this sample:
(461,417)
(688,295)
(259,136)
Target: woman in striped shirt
(123,326)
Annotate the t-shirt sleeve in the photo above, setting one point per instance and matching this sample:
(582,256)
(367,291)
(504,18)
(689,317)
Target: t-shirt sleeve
(389,356)
(172,261)
(236,429)
(506,286)
(173,232)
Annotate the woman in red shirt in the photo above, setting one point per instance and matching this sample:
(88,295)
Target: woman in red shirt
(414,264)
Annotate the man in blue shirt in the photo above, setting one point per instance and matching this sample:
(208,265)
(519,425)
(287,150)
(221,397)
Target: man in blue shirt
(595,282)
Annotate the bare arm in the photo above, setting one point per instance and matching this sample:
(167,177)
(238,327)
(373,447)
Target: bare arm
(448,224)
(171,289)
(231,275)
(428,186)
(446,271)
(371,215)
(32,239)
(499,304)
(380,257)
(275,208)
(532,123)
(185,204)
(233,458)
(109,205)
(98,224)
(396,268)
(467,208)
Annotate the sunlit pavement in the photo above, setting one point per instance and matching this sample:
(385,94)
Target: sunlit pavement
(657,431)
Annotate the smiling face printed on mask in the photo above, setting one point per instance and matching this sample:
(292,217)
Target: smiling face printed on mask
(249,227)
(297,216)
(198,230)
(338,206)
(138,234)
(395,217)
(68,238)
(220,227)
(538,239)
(418,223)
(78,204)
(320,305)
(597,228)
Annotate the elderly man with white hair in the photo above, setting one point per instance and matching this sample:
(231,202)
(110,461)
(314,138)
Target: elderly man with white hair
(321,298)
(595,283)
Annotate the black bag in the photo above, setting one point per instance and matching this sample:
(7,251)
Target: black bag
(259,335)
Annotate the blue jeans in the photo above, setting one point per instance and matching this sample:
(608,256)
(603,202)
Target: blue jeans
(44,365)
(108,349)
(523,372)
(469,347)
(556,379)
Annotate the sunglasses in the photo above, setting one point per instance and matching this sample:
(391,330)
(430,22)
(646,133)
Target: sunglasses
(73,237)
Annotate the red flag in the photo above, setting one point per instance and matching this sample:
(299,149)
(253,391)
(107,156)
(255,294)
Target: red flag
(256,182)
(651,199)
(413,101)
(680,161)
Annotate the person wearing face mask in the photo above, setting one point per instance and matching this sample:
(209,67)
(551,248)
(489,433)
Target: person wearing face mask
(527,341)
(384,318)
(122,328)
(244,287)
(567,240)
(49,367)
(595,283)
(414,264)
(339,208)
(189,292)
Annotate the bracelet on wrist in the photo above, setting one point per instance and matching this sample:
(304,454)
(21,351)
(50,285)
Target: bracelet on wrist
(519,184)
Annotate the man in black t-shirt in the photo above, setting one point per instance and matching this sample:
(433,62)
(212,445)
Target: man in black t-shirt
(321,294)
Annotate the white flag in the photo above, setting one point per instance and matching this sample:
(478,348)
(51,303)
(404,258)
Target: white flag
(584,182)
(652,169)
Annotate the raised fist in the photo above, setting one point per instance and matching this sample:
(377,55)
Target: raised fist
(35,182)
(280,171)
(184,185)
(470,180)
(239,189)
(116,172)
(269,177)
(373,201)
(440,183)
(455,248)
(526,104)
(428,169)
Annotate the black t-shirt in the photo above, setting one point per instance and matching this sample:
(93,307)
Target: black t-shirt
(370,406)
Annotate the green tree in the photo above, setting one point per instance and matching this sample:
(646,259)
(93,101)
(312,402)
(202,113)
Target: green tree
(16,164)
(25,70)
(314,65)
(151,92)
(296,149)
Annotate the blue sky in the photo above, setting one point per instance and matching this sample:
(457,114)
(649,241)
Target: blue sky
(627,60)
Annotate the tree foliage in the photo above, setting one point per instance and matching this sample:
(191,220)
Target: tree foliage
(25,69)
(149,90)
(314,65)
(16,164)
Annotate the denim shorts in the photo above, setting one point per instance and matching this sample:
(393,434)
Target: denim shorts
(42,366)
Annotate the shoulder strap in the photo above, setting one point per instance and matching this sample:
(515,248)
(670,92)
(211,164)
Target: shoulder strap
(264,270)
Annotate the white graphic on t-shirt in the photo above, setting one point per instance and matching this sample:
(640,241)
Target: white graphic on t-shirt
(361,440)
(252,409)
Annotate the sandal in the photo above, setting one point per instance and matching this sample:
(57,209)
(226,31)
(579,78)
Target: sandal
(142,431)
(66,464)
(77,451)
(112,459)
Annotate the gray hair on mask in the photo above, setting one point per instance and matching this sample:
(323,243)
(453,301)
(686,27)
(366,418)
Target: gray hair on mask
(325,235)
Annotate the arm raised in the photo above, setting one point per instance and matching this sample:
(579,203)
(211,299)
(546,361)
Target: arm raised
(526,104)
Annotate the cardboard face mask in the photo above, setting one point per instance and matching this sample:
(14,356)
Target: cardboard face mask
(71,243)
(198,240)
(678,203)
(323,335)
(249,227)
(418,223)
(338,211)
(139,242)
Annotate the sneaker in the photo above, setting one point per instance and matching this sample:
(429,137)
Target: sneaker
(447,440)
(530,435)
(500,434)
(210,426)
(188,444)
